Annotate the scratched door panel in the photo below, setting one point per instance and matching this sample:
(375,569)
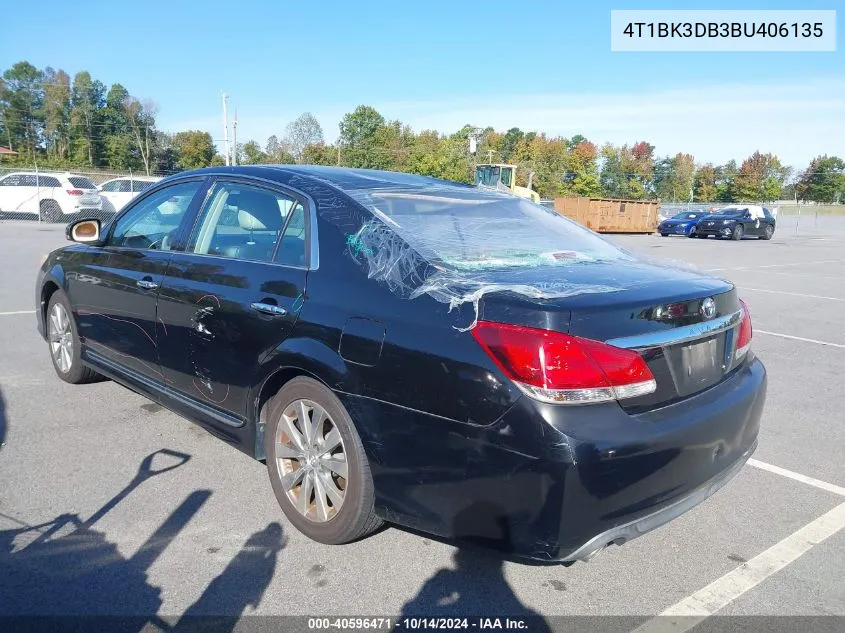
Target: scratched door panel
(117,317)
(211,339)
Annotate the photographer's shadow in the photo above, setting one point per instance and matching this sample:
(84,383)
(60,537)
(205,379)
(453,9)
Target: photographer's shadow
(476,586)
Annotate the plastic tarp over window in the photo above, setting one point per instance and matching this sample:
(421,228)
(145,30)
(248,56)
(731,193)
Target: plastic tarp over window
(457,243)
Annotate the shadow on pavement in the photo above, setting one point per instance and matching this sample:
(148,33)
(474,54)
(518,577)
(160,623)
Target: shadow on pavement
(65,567)
(476,585)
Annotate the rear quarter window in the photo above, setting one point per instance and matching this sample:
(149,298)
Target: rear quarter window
(81,183)
(48,181)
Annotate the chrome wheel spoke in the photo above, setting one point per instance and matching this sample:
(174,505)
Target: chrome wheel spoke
(303,499)
(286,451)
(304,421)
(337,464)
(334,493)
(290,479)
(292,432)
(331,441)
(322,505)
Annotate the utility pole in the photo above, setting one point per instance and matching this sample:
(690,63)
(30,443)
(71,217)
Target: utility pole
(235,138)
(226,128)
(338,152)
(489,155)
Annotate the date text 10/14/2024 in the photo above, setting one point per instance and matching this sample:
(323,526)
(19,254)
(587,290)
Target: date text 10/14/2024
(418,624)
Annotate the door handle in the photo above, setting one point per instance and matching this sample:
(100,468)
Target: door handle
(268,308)
(146,284)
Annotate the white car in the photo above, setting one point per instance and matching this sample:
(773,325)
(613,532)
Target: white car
(52,197)
(118,191)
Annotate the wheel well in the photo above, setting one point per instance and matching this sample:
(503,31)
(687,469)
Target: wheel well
(46,292)
(270,388)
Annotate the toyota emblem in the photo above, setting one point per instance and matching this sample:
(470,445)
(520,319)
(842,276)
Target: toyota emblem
(708,308)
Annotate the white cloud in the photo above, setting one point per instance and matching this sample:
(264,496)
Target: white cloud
(796,120)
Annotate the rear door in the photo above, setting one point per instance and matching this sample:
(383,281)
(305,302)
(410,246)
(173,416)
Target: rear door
(115,293)
(13,192)
(234,294)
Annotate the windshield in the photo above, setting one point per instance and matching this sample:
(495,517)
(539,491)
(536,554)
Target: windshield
(466,229)
(487,175)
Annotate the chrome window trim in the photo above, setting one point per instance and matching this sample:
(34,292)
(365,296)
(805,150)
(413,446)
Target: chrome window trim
(679,334)
(313,241)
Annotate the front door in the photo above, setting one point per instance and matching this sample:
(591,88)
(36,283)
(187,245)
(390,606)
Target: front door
(117,315)
(234,294)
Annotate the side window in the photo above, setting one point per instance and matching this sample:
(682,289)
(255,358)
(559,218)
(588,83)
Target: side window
(48,181)
(291,250)
(124,186)
(27,180)
(241,221)
(111,187)
(11,181)
(152,222)
(140,185)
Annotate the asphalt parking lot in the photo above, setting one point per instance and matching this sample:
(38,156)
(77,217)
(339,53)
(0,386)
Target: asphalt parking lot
(85,527)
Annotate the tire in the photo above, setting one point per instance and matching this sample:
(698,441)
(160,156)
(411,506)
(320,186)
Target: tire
(768,232)
(50,211)
(354,516)
(61,331)
(691,232)
(737,233)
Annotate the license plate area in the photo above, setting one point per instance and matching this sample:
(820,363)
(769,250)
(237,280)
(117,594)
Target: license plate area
(697,365)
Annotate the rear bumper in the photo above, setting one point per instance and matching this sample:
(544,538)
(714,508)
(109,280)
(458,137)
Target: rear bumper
(550,482)
(628,531)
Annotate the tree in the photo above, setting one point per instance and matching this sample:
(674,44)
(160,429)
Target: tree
(823,180)
(705,183)
(673,177)
(194,149)
(56,85)
(86,102)
(582,170)
(141,119)
(303,131)
(318,154)
(277,152)
(760,177)
(252,154)
(358,131)
(24,100)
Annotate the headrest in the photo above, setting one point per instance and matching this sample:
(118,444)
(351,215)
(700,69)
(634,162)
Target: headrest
(257,210)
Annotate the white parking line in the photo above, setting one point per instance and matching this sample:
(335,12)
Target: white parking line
(800,338)
(794,294)
(804,479)
(17,312)
(719,593)
(826,261)
(780,272)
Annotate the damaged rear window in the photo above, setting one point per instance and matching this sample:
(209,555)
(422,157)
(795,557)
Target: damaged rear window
(470,229)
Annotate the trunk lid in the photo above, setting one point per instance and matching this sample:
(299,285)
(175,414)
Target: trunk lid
(682,323)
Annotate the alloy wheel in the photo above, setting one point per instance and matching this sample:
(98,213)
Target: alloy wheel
(311,460)
(61,338)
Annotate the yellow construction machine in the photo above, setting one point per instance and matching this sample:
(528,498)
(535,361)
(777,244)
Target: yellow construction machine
(501,176)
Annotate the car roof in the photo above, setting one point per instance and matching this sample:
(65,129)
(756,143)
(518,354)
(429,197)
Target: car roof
(346,179)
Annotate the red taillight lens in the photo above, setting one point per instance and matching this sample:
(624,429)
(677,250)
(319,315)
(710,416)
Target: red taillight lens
(74,192)
(743,339)
(556,367)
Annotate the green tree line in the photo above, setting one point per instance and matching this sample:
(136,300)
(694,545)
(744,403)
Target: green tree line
(54,120)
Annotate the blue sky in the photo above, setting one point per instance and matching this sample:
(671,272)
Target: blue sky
(544,66)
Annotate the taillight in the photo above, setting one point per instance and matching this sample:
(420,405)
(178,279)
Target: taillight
(74,192)
(560,368)
(743,339)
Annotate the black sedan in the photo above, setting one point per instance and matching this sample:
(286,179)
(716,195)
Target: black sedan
(398,348)
(737,222)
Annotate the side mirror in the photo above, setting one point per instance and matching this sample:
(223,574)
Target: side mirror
(84,231)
